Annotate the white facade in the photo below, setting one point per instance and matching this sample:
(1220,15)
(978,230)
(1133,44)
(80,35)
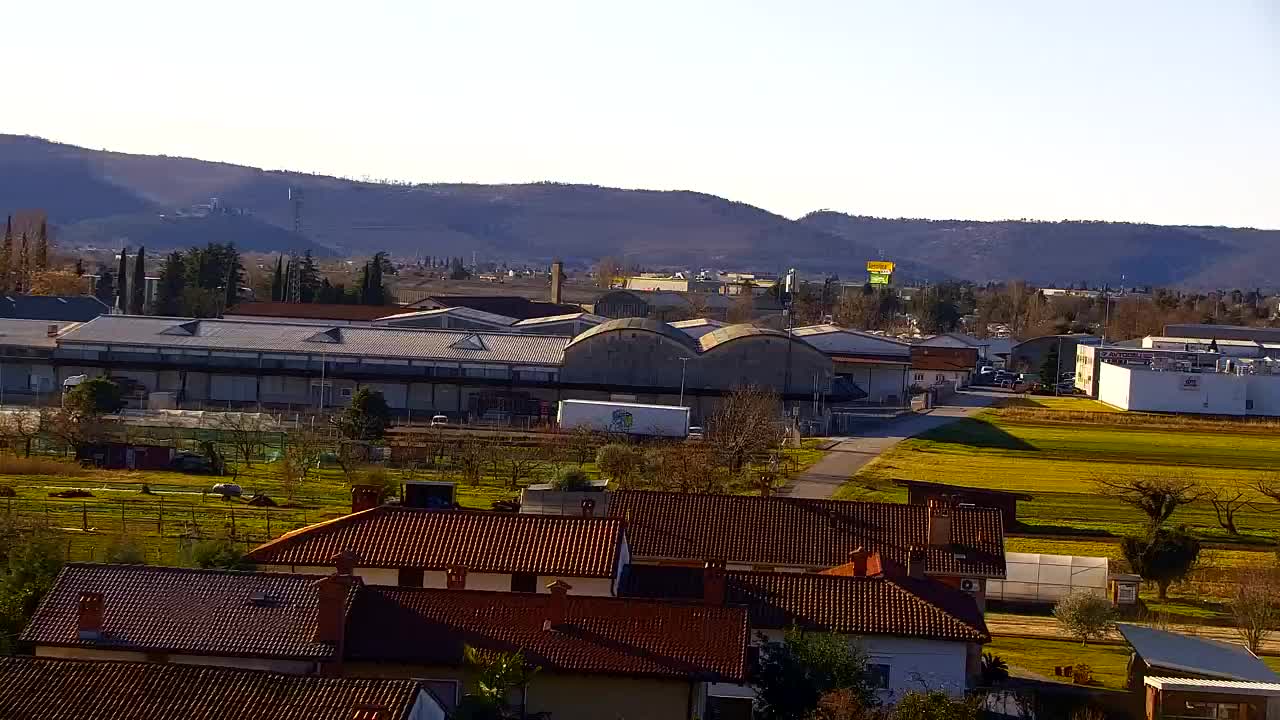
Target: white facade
(929,378)
(1207,393)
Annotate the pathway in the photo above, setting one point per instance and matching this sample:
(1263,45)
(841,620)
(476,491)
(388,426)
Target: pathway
(824,477)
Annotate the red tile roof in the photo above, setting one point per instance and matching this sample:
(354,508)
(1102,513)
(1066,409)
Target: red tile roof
(899,606)
(794,532)
(400,537)
(601,634)
(178,610)
(924,357)
(45,689)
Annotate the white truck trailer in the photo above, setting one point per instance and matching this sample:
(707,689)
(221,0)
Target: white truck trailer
(627,418)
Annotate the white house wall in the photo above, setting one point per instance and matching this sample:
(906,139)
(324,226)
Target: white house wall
(915,664)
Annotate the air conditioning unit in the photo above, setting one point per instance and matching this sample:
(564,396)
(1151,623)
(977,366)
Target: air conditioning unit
(969,585)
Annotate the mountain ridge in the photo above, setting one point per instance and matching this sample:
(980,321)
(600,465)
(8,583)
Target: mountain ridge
(105,198)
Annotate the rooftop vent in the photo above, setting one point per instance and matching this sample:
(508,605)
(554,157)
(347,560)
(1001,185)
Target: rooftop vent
(187,329)
(470,342)
(332,335)
(260,598)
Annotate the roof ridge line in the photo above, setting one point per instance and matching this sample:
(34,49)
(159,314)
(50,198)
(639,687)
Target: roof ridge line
(983,631)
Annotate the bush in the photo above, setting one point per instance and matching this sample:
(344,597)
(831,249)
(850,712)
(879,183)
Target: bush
(572,480)
(1084,615)
(125,550)
(378,477)
(1165,557)
(14,465)
(95,396)
(620,463)
(218,553)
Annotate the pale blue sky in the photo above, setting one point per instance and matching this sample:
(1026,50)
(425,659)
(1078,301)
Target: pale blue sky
(1166,111)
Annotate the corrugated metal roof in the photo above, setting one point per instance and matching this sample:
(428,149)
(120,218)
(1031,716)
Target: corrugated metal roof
(634,323)
(1235,686)
(248,335)
(735,332)
(31,333)
(459,311)
(582,316)
(1201,656)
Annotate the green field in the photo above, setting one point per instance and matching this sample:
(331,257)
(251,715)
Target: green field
(1108,663)
(1054,453)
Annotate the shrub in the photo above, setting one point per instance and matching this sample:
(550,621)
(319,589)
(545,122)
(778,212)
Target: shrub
(218,553)
(1084,615)
(378,477)
(13,465)
(619,462)
(125,550)
(571,480)
(95,396)
(1165,557)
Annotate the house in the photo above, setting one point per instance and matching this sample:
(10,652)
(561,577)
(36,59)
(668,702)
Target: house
(959,546)
(52,308)
(922,493)
(915,631)
(125,455)
(1179,697)
(880,366)
(1160,653)
(416,547)
(43,689)
(991,351)
(595,654)
(942,365)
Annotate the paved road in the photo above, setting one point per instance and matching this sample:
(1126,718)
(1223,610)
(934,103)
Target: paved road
(824,477)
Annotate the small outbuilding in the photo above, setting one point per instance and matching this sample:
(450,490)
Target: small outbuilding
(1175,698)
(1160,654)
(920,493)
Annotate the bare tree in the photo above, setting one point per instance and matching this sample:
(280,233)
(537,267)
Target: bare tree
(1255,608)
(745,426)
(471,453)
(1227,502)
(243,431)
(1269,486)
(22,426)
(685,467)
(1157,498)
(303,449)
(606,270)
(519,461)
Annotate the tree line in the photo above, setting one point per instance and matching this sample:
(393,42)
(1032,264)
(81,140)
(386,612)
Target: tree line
(17,272)
(299,280)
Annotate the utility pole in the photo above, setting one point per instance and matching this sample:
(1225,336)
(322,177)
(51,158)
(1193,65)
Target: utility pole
(684,364)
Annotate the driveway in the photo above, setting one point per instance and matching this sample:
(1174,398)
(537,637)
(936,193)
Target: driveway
(824,477)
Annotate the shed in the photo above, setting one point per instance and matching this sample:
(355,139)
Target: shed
(1179,697)
(1160,653)
(127,456)
(920,493)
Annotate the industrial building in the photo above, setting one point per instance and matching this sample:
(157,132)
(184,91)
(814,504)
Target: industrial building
(462,373)
(880,366)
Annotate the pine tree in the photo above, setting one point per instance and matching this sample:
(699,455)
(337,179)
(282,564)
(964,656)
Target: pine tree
(79,267)
(6,257)
(277,280)
(122,282)
(105,289)
(308,279)
(173,285)
(42,247)
(137,299)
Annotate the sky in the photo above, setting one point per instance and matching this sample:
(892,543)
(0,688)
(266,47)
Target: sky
(1163,111)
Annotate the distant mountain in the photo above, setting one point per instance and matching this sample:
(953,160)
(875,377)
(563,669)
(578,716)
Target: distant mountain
(105,199)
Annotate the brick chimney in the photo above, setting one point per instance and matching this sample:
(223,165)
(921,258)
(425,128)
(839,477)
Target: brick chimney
(858,559)
(558,608)
(364,497)
(875,568)
(557,280)
(915,563)
(455,577)
(331,610)
(713,582)
(940,523)
(588,507)
(89,616)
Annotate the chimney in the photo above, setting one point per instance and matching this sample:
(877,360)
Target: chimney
(558,608)
(557,280)
(713,582)
(331,610)
(455,577)
(939,523)
(915,563)
(858,559)
(89,616)
(52,331)
(345,561)
(588,507)
(364,497)
(875,568)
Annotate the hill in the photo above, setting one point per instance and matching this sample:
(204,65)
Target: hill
(103,199)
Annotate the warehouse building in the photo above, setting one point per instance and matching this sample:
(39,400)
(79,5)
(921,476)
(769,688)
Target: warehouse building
(1089,361)
(461,373)
(1239,388)
(878,365)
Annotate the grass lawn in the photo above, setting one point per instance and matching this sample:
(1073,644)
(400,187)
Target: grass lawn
(1054,454)
(1108,662)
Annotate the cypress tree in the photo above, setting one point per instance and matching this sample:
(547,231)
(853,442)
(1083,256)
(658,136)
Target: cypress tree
(137,299)
(277,280)
(42,247)
(122,282)
(6,257)
(23,283)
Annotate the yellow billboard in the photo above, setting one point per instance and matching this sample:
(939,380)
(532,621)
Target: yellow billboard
(883,267)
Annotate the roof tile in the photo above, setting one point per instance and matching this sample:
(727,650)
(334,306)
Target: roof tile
(797,532)
(402,537)
(45,689)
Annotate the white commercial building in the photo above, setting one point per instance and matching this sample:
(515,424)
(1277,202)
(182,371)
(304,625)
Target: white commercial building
(1239,392)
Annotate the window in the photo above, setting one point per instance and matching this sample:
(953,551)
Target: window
(409,577)
(524,582)
(920,377)
(942,378)
(346,392)
(1204,711)
(878,675)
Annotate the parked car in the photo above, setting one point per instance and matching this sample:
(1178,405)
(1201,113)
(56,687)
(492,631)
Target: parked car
(695,432)
(439,421)
(227,490)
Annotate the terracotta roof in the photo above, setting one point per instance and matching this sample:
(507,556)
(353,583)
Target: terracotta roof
(962,490)
(943,358)
(794,532)
(312,311)
(606,635)
(899,606)
(401,537)
(180,610)
(45,689)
